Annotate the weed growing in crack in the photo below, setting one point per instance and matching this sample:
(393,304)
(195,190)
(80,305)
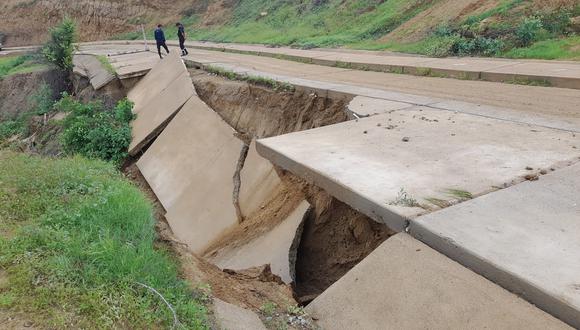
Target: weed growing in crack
(404,199)
(278,86)
(462,195)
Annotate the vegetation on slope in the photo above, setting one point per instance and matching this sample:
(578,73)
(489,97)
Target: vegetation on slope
(514,28)
(77,244)
(11,65)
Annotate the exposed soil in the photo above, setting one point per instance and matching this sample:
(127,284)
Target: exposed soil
(12,320)
(110,94)
(250,289)
(335,237)
(261,112)
(15,90)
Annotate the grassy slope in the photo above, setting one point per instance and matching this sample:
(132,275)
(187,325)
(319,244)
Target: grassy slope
(357,24)
(75,239)
(10,65)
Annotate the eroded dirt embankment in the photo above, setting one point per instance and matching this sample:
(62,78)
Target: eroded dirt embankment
(334,237)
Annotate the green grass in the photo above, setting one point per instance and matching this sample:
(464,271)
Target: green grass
(107,64)
(308,24)
(555,49)
(76,238)
(11,65)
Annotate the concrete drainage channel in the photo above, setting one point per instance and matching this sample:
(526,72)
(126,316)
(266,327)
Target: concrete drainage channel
(194,143)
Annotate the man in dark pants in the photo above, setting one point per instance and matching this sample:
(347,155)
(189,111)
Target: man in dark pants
(181,36)
(160,38)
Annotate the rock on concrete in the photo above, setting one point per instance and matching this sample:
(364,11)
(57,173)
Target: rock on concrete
(258,179)
(276,248)
(396,166)
(231,317)
(362,106)
(404,284)
(190,167)
(526,238)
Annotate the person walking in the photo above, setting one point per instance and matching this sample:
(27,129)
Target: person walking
(160,38)
(181,36)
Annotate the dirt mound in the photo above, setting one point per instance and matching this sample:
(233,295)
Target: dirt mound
(15,90)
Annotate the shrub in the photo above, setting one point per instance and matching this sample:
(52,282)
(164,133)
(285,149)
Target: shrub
(42,101)
(442,46)
(60,47)
(94,132)
(528,30)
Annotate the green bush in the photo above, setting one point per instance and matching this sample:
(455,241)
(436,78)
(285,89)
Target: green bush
(95,132)
(528,30)
(42,100)
(442,46)
(60,47)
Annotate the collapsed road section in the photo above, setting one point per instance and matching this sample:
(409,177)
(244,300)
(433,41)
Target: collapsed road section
(228,204)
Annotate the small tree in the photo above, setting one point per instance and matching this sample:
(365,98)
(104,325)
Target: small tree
(59,49)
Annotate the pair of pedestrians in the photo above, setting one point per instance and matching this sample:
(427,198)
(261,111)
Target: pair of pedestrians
(161,42)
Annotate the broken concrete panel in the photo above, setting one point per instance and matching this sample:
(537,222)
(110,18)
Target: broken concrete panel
(526,238)
(232,317)
(258,179)
(363,106)
(154,116)
(276,248)
(396,166)
(157,80)
(190,168)
(90,67)
(404,284)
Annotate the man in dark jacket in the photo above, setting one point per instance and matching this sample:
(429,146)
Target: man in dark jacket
(181,36)
(160,38)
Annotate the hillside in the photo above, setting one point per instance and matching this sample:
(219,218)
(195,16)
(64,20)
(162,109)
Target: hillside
(534,28)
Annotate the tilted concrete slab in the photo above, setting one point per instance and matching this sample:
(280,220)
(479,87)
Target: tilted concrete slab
(90,67)
(396,166)
(232,317)
(526,238)
(404,284)
(258,179)
(154,116)
(277,248)
(157,80)
(190,167)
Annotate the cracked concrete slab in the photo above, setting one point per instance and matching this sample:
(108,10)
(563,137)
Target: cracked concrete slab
(404,284)
(90,67)
(396,166)
(190,168)
(526,238)
(258,179)
(278,248)
(157,80)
